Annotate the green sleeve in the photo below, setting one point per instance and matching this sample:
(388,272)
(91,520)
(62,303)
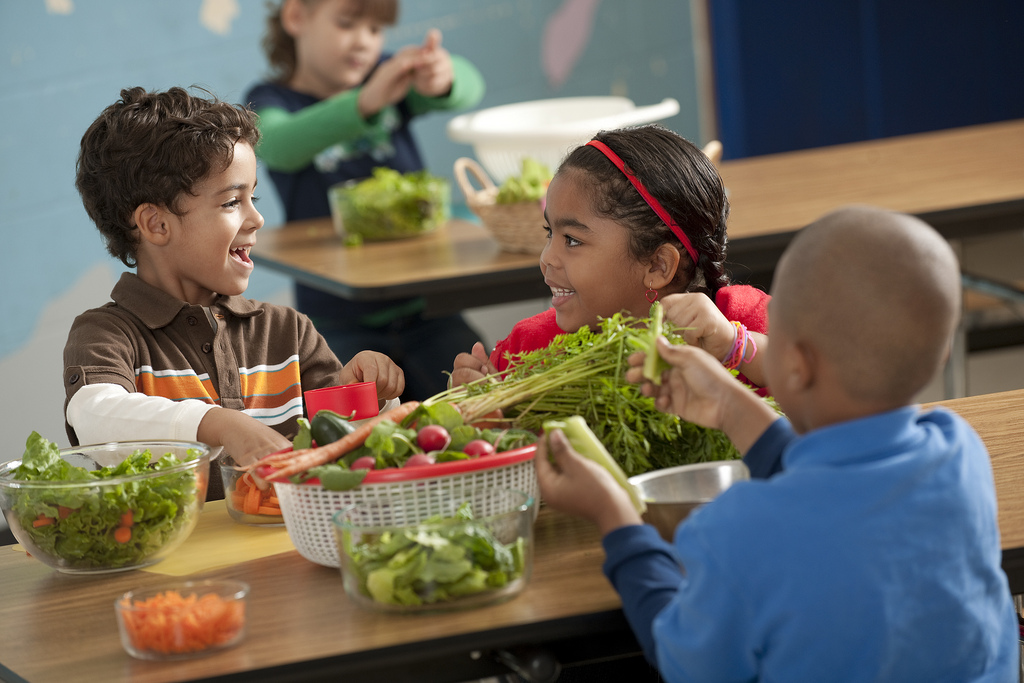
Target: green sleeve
(467,90)
(290,140)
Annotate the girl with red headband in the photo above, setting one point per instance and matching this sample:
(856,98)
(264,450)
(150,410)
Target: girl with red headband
(633,216)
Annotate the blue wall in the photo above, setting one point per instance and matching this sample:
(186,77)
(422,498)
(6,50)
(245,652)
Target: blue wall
(806,73)
(63,61)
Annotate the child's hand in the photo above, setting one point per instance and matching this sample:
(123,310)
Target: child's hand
(371,366)
(704,325)
(390,83)
(472,366)
(434,75)
(578,486)
(698,389)
(243,437)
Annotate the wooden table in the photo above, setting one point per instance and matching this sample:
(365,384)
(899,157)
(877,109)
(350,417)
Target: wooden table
(58,628)
(458,266)
(964,181)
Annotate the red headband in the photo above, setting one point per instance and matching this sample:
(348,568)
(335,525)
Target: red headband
(648,197)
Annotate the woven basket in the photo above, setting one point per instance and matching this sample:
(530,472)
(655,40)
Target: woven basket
(308,509)
(516,227)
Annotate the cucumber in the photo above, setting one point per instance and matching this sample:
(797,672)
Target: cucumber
(328,426)
(583,440)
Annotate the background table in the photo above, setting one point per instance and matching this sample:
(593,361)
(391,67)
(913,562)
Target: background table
(964,181)
(457,266)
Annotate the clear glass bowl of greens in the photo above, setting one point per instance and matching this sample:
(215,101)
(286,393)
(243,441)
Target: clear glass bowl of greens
(106,507)
(400,554)
(389,205)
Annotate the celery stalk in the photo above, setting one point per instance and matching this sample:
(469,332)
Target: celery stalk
(654,365)
(589,446)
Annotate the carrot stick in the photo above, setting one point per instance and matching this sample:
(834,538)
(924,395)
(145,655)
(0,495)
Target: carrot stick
(123,534)
(300,461)
(42,520)
(251,505)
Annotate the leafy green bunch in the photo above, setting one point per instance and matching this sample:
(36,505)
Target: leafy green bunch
(583,373)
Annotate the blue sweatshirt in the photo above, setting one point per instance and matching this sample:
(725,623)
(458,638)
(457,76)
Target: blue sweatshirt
(873,556)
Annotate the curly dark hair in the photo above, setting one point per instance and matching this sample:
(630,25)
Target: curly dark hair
(682,178)
(280,47)
(153,147)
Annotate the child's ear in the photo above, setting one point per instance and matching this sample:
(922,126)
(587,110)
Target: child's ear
(292,15)
(664,265)
(801,367)
(149,219)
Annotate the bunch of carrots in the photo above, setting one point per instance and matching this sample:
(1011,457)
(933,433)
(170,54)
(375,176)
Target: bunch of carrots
(170,623)
(281,466)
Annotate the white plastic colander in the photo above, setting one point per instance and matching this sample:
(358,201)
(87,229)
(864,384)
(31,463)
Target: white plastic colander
(546,130)
(425,491)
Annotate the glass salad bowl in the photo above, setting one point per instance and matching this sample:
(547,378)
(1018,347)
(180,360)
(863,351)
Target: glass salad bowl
(398,555)
(105,507)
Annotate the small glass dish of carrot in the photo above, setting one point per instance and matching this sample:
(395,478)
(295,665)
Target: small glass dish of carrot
(183,619)
(246,502)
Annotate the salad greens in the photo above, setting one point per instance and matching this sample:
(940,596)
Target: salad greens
(79,525)
(583,373)
(452,558)
(529,186)
(390,205)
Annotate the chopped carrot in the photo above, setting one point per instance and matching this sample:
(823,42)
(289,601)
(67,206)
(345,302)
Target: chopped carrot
(127,518)
(249,499)
(252,501)
(42,520)
(170,623)
(123,534)
(64,512)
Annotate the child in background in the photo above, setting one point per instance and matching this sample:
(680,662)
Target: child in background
(337,109)
(874,555)
(634,215)
(168,179)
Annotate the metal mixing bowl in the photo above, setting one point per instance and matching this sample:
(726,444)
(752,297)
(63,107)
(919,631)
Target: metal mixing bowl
(673,493)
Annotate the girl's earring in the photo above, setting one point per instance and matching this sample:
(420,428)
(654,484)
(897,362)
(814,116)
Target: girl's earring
(651,294)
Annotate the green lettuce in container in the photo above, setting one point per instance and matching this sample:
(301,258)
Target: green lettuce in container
(389,205)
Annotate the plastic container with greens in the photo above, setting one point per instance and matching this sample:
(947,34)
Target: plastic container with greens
(389,205)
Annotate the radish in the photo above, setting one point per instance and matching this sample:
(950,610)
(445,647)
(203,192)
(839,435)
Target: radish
(419,460)
(478,448)
(367,462)
(433,438)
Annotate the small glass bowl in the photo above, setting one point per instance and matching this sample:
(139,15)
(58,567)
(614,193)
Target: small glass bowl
(399,554)
(183,619)
(262,510)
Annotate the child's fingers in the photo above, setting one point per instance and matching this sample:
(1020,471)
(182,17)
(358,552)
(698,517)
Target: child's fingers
(432,41)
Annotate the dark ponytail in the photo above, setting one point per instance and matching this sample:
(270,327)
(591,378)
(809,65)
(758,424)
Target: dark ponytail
(682,178)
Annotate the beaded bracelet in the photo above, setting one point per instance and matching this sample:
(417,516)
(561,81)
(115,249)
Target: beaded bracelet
(738,354)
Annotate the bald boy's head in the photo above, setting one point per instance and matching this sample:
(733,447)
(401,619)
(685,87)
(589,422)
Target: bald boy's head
(876,294)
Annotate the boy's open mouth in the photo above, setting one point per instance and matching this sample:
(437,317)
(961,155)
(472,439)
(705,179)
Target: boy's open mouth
(241,254)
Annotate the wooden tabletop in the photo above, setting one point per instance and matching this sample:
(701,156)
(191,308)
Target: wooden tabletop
(999,420)
(58,628)
(963,181)
(457,266)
